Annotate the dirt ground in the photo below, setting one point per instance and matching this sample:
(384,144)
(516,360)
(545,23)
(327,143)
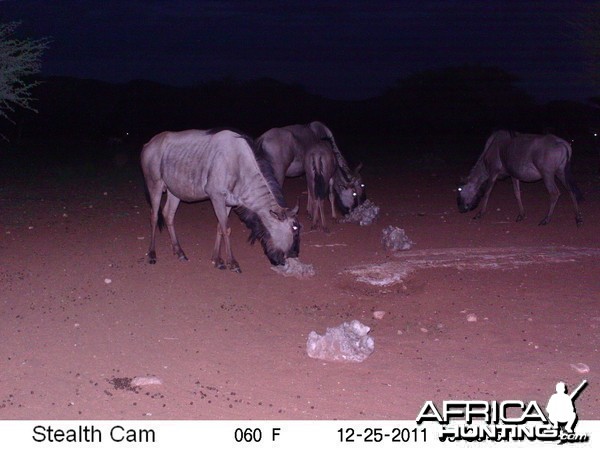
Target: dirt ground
(82,313)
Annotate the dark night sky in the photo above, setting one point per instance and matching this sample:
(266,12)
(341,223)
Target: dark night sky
(339,49)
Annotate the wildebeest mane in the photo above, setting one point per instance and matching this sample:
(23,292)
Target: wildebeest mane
(258,232)
(330,140)
(481,191)
(266,168)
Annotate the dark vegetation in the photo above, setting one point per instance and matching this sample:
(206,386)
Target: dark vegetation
(434,117)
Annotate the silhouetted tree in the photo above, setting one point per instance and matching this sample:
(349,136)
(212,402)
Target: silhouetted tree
(19,59)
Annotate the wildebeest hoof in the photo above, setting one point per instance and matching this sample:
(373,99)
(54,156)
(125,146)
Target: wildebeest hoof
(520,218)
(478,216)
(219,264)
(235,268)
(579,221)
(544,222)
(182,257)
(151,261)
(326,230)
(151,258)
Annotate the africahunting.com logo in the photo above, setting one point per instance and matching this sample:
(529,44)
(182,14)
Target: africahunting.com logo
(509,420)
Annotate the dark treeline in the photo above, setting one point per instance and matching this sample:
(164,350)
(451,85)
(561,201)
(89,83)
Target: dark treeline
(450,109)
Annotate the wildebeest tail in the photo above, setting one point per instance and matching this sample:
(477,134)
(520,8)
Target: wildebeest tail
(571,181)
(321,188)
(258,147)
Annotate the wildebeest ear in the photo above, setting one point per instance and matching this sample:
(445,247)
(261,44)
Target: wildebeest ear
(360,166)
(294,212)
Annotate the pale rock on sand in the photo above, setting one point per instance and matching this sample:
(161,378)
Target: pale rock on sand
(363,215)
(293,267)
(580,368)
(378,314)
(394,238)
(347,343)
(145,381)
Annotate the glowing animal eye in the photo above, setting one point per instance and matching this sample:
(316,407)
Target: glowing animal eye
(354,194)
(294,227)
(362,185)
(459,189)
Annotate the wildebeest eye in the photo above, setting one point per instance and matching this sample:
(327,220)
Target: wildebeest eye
(294,227)
(459,189)
(362,185)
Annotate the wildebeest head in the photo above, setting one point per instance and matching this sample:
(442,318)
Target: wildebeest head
(469,195)
(350,190)
(284,233)
(359,185)
(278,232)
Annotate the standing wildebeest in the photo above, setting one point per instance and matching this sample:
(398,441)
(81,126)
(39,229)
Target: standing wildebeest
(523,157)
(285,148)
(320,166)
(221,165)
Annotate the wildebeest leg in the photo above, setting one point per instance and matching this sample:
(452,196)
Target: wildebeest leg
(279,173)
(232,264)
(554,194)
(169,214)
(486,196)
(563,180)
(517,190)
(223,232)
(155,191)
(216,255)
(309,204)
(332,199)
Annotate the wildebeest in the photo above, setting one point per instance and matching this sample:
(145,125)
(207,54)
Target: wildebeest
(221,165)
(320,166)
(523,157)
(286,147)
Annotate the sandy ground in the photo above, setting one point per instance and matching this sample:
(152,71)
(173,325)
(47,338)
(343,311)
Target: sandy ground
(82,313)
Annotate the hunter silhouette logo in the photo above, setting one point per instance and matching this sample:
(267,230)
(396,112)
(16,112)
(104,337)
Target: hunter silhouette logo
(508,420)
(561,407)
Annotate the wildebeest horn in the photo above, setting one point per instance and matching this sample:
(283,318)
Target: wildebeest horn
(294,212)
(360,165)
(279,213)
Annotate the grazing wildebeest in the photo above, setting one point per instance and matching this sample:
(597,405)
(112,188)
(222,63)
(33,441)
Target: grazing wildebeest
(285,149)
(523,157)
(221,165)
(320,167)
